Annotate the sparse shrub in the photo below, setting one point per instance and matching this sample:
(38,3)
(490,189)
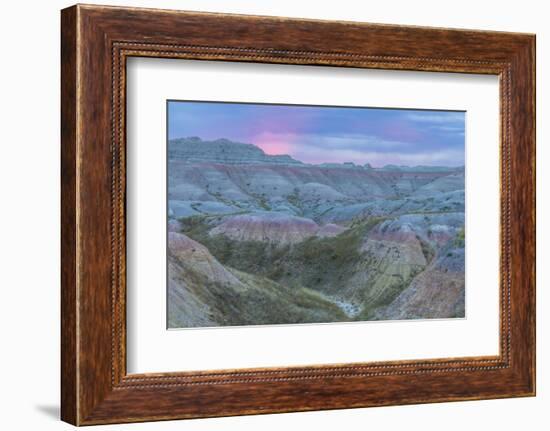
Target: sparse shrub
(427,250)
(188,224)
(460,239)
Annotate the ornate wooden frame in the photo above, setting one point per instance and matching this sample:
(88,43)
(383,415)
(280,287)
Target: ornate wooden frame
(96,41)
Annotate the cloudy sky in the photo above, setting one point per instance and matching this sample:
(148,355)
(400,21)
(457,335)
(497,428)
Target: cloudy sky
(315,134)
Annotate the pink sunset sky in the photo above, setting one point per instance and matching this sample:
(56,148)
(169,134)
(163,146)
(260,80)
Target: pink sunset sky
(314,134)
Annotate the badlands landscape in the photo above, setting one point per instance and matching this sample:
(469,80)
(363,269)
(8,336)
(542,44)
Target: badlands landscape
(257,239)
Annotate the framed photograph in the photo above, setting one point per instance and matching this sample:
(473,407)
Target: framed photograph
(263,214)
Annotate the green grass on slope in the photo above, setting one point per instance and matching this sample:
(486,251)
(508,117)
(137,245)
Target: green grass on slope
(323,266)
(257,301)
(295,304)
(460,240)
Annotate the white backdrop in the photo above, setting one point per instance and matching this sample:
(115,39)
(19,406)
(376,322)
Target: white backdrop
(29,220)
